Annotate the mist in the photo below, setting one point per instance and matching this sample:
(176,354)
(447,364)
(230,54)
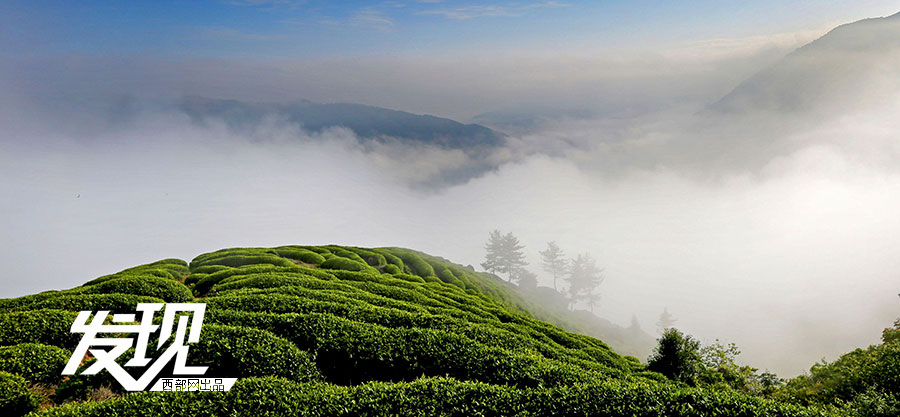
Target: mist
(769,231)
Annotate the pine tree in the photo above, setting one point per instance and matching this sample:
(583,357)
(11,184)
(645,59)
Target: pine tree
(665,321)
(554,261)
(584,278)
(493,249)
(503,255)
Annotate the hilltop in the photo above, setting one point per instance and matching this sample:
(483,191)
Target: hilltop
(851,65)
(369,123)
(336,330)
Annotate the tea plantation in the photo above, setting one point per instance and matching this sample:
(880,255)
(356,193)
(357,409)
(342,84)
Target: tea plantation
(344,331)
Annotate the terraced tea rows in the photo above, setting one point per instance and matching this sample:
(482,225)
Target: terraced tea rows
(333,330)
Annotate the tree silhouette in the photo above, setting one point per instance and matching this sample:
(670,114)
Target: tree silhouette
(503,255)
(665,321)
(527,280)
(554,261)
(677,356)
(584,278)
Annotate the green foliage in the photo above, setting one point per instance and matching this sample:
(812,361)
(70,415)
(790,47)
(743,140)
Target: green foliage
(863,378)
(333,330)
(15,398)
(80,302)
(174,269)
(242,352)
(34,361)
(49,327)
(299,254)
(345,264)
(677,356)
(347,253)
(164,289)
(416,264)
(874,403)
(263,397)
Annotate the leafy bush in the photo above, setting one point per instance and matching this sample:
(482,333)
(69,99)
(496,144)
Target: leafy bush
(866,372)
(370,257)
(677,356)
(415,263)
(241,352)
(15,398)
(426,337)
(79,302)
(346,253)
(438,397)
(49,327)
(299,254)
(164,289)
(345,264)
(34,361)
(174,269)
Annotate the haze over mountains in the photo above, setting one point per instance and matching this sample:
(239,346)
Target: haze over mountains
(768,215)
(367,122)
(839,70)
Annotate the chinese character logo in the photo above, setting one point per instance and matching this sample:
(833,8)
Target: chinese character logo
(108,341)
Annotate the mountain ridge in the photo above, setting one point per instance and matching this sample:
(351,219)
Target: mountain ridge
(816,74)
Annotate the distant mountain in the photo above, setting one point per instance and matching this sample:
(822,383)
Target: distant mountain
(853,63)
(367,122)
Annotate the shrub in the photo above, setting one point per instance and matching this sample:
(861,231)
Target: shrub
(416,264)
(370,257)
(298,254)
(677,356)
(49,327)
(345,264)
(346,253)
(235,261)
(392,269)
(15,398)
(241,352)
(267,281)
(36,362)
(209,269)
(164,289)
(389,257)
(174,269)
(78,302)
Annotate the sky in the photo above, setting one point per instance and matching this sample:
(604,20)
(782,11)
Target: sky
(771,227)
(316,29)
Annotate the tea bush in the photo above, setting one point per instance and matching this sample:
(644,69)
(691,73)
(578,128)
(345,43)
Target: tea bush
(15,398)
(48,327)
(345,264)
(347,331)
(299,254)
(232,351)
(165,289)
(34,361)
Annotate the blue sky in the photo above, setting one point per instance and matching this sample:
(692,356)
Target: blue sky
(312,29)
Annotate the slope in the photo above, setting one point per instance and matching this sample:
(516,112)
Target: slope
(849,66)
(335,330)
(367,122)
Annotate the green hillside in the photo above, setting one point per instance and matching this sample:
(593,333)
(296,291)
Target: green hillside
(344,331)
